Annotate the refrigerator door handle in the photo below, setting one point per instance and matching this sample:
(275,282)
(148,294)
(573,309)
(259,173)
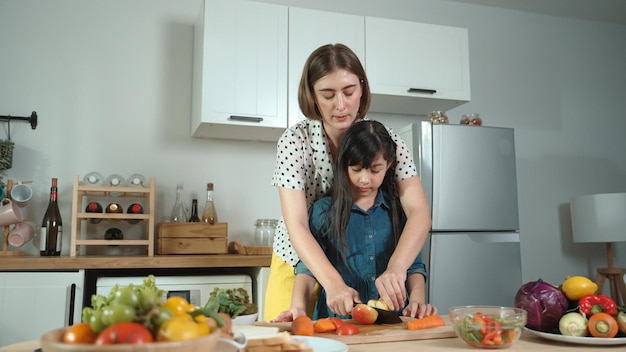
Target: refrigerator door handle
(492,237)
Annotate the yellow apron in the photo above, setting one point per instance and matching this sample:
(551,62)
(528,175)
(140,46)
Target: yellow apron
(280,289)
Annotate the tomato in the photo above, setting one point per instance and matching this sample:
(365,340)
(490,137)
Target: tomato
(177,305)
(117,313)
(125,333)
(126,295)
(180,327)
(338,322)
(80,333)
(347,329)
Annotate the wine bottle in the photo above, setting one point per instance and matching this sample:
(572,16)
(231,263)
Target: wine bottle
(209,214)
(134,208)
(94,207)
(93,178)
(136,180)
(179,211)
(51,226)
(115,180)
(194,211)
(114,208)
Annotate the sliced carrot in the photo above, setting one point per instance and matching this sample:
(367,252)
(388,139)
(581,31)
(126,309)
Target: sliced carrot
(602,325)
(324,325)
(302,326)
(429,322)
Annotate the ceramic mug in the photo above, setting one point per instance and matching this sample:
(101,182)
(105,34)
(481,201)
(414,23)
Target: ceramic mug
(9,213)
(21,233)
(21,193)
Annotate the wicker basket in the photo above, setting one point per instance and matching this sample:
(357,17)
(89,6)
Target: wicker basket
(6,154)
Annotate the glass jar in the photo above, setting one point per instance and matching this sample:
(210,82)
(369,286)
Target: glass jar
(471,119)
(264,231)
(438,117)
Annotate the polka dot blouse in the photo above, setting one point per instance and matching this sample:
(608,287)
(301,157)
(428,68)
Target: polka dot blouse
(304,162)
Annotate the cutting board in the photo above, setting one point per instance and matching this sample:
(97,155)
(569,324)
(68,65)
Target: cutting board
(378,332)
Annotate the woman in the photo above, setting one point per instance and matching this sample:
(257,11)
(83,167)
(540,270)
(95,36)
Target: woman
(358,225)
(333,94)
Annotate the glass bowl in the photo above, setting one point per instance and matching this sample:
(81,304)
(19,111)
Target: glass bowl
(489,327)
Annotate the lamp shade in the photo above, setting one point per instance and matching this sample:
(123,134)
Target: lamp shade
(599,217)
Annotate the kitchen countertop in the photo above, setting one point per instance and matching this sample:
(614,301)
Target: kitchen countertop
(37,263)
(526,343)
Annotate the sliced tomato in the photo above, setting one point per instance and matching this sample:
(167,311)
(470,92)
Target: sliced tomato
(125,333)
(338,322)
(347,329)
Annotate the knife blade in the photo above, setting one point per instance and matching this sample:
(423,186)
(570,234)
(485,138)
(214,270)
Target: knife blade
(385,316)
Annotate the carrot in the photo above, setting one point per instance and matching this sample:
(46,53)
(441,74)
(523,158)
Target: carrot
(429,322)
(602,325)
(302,326)
(324,325)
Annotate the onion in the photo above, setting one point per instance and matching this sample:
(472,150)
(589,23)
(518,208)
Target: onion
(545,304)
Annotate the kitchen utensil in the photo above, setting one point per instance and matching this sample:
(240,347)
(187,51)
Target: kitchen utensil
(386,316)
(21,233)
(21,193)
(377,332)
(9,213)
(467,325)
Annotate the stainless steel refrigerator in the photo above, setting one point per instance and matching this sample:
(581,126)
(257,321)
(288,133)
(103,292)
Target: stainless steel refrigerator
(469,176)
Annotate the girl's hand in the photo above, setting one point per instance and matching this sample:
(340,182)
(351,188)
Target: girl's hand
(288,315)
(341,298)
(391,288)
(419,310)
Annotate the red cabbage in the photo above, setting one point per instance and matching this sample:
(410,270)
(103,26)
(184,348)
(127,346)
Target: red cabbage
(544,303)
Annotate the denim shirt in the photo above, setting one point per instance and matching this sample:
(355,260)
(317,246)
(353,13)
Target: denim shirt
(370,240)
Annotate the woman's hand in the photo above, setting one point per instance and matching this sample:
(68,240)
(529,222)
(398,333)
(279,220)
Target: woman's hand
(341,298)
(288,315)
(391,287)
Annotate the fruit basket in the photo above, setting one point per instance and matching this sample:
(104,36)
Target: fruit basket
(52,342)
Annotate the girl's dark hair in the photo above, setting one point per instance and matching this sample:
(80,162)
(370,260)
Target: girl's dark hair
(363,143)
(320,63)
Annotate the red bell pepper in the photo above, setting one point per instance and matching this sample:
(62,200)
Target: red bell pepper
(591,304)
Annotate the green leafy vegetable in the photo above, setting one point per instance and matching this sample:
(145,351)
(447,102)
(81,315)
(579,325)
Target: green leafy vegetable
(233,302)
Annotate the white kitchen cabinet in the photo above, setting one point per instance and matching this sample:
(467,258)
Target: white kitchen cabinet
(32,303)
(310,29)
(240,70)
(414,68)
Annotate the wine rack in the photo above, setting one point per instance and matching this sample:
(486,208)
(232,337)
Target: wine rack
(82,194)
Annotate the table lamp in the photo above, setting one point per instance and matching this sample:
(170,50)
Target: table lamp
(598,218)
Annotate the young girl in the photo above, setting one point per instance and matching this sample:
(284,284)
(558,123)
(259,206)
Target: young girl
(359,224)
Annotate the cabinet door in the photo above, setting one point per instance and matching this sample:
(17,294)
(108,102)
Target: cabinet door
(310,29)
(32,303)
(240,67)
(416,60)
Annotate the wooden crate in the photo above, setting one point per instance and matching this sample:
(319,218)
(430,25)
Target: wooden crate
(192,238)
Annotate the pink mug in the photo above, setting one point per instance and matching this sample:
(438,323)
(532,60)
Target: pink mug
(9,213)
(21,233)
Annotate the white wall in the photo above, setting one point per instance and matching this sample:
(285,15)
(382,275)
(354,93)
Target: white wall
(111,83)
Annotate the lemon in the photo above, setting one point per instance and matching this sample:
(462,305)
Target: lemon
(576,287)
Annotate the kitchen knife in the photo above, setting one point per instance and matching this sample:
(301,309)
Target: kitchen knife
(385,316)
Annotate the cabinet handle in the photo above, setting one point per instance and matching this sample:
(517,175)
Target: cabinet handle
(422,90)
(245,118)
(71,303)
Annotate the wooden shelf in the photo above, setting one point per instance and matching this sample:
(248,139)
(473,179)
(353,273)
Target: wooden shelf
(80,197)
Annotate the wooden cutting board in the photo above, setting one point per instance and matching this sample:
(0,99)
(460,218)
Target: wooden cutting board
(378,332)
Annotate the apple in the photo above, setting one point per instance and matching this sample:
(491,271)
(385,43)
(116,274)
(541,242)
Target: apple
(378,303)
(364,314)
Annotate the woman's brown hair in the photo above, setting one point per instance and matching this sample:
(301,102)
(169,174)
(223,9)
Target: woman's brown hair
(323,61)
